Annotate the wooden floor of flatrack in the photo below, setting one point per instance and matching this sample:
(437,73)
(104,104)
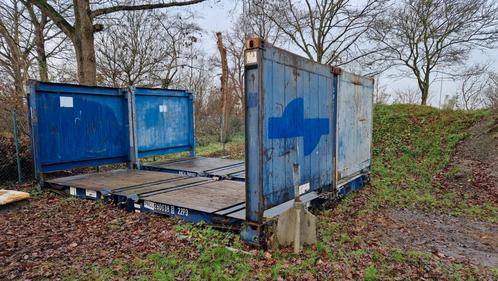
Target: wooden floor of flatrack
(178,190)
(183,194)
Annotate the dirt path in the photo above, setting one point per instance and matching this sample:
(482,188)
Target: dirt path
(472,173)
(473,168)
(444,235)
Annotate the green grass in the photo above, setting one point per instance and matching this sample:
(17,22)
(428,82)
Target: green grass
(411,145)
(212,147)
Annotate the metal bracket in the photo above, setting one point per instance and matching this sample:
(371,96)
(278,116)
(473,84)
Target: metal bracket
(132,131)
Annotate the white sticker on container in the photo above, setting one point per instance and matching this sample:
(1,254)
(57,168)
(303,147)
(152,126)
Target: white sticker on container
(163,108)
(91,193)
(251,57)
(66,101)
(72,191)
(137,206)
(304,188)
(149,205)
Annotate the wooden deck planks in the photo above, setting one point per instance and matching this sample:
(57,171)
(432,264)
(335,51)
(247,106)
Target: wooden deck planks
(198,164)
(209,197)
(113,179)
(164,186)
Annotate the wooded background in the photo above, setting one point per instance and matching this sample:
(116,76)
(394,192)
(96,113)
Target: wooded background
(144,43)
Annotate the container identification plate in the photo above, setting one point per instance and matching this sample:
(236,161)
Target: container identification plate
(66,101)
(149,205)
(91,193)
(72,191)
(251,57)
(304,188)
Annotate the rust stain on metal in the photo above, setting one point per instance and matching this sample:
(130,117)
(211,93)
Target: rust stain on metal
(336,70)
(356,80)
(256,42)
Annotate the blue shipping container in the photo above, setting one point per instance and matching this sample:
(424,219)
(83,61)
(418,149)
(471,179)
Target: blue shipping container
(300,111)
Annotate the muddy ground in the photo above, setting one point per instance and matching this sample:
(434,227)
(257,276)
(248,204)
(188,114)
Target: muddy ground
(458,238)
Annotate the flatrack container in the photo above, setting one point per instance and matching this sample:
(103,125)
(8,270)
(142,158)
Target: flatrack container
(297,111)
(300,111)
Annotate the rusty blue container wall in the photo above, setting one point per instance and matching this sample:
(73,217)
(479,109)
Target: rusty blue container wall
(77,126)
(164,121)
(354,126)
(289,118)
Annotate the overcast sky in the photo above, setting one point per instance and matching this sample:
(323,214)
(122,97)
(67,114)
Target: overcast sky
(218,16)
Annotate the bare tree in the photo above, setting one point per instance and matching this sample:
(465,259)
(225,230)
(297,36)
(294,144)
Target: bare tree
(408,96)
(491,92)
(17,42)
(180,34)
(251,22)
(44,31)
(472,86)
(145,48)
(81,32)
(422,36)
(381,96)
(224,89)
(327,31)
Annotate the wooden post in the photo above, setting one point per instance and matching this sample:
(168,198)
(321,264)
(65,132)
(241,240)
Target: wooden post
(224,89)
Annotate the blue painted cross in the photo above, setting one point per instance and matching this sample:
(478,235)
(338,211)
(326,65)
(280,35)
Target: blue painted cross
(292,124)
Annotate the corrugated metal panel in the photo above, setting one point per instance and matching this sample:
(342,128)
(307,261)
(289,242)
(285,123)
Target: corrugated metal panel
(77,126)
(354,125)
(164,121)
(289,118)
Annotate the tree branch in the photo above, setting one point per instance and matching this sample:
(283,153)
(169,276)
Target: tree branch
(56,17)
(117,8)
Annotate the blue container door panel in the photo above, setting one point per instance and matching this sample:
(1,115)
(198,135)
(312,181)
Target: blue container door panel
(79,129)
(354,125)
(297,125)
(164,121)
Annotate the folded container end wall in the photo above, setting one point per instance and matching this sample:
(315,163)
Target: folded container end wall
(300,111)
(74,126)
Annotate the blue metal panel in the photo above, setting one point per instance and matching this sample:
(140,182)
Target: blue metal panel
(289,118)
(164,121)
(354,126)
(77,126)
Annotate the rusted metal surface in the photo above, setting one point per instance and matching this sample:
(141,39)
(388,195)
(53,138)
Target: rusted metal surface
(289,118)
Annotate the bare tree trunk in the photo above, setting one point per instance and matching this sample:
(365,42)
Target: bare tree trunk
(83,41)
(39,28)
(424,88)
(224,90)
(41,56)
